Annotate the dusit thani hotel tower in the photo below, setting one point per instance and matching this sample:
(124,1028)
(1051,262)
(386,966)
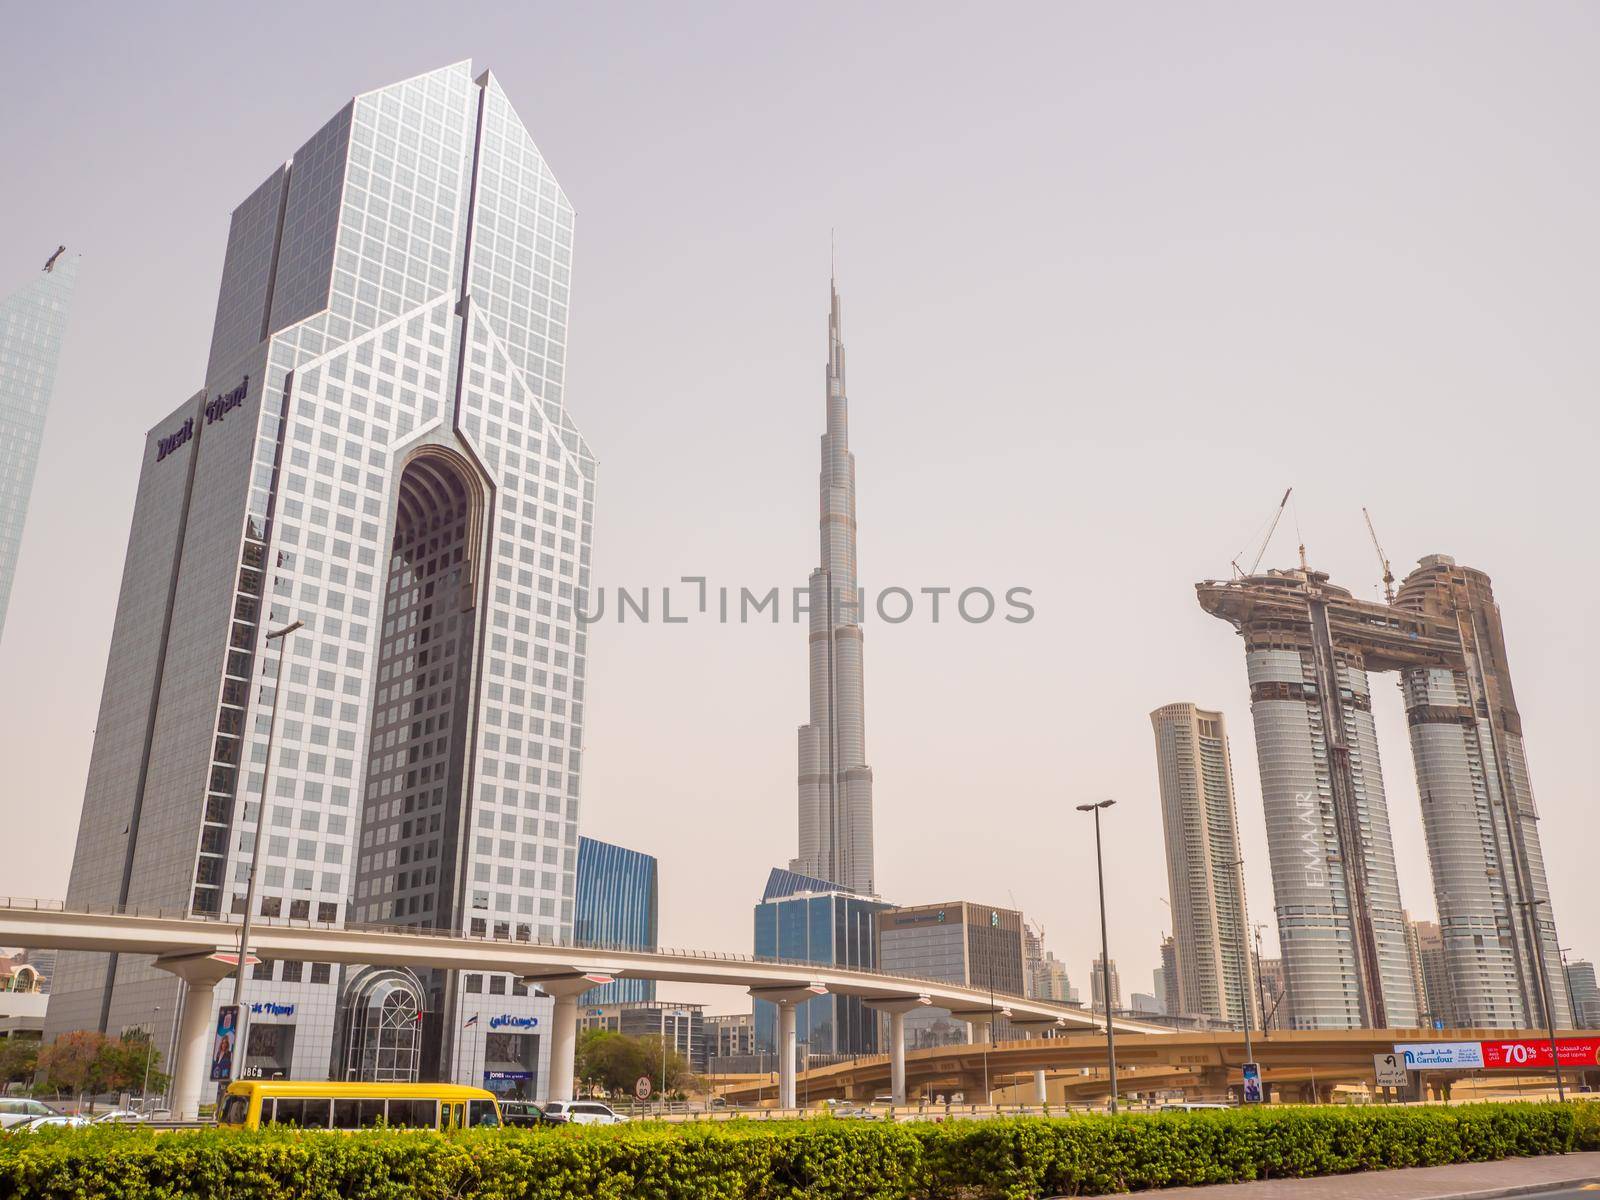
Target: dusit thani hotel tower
(381,450)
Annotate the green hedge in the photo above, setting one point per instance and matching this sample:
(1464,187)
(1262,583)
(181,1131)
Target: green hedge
(1015,1158)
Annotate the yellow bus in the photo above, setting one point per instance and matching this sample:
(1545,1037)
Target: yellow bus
(253,1103)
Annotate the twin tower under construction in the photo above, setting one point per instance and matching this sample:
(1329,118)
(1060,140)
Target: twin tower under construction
(1309,646)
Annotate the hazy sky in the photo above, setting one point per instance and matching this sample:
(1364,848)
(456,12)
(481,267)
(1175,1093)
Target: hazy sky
(1114,276)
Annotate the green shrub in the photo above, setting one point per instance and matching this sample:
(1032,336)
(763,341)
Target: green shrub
(1007,1159)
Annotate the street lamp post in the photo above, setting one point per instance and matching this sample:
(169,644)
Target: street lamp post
(1244,984)
(1105,950)
(1545,998)
(149,1053)
(276,635)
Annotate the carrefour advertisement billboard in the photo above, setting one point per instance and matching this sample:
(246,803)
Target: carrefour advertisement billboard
(1514,1054)
(1429,1056)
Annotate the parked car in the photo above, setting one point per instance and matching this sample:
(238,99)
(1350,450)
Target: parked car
(14,1110)
(118,1116)
(523,1114)
(56,1121)
(581,1112)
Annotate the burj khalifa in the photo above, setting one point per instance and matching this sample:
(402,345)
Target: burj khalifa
(835,782)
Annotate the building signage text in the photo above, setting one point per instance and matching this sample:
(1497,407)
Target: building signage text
(271,1008)
(507,1021)
(1423,1056)
(173,440)
(218,408)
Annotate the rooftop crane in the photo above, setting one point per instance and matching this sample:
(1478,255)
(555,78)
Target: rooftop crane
(1272,528)
(1388,575)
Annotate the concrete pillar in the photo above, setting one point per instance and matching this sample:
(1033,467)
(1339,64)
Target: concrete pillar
(564,987)
(563,1047)
(897,1056)
(195,1034)
(787,1048)
(1041,1094)
(191,1066)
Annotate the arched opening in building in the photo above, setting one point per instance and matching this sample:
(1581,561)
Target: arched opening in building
(383,1034)
(412,801)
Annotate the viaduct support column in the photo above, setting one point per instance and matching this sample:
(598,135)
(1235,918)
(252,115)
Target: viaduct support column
(897,1010)
(192,1057)
(788,998)
(564,988)
(788,1048)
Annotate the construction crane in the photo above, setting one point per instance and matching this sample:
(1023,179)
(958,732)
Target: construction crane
(1383,559)
(1272,528)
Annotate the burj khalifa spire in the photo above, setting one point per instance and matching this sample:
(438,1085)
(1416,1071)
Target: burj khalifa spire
(835,782)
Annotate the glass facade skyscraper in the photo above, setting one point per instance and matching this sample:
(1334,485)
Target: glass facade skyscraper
(617,904)
(382,450)
(1209,918)
(958,942)
(1309,648)
(33,320)
(801,919)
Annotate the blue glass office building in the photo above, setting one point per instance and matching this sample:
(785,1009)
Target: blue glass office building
(802,919)
(32,322)
(617,904)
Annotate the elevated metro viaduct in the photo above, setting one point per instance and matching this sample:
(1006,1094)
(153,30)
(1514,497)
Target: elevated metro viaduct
(1303,1063)
(202,953)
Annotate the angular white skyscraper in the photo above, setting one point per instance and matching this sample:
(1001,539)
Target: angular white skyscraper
(381,450)
(32,320)
(835,781)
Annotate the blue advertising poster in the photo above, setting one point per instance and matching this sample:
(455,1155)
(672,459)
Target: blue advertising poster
(1252,1083)
(227,1035)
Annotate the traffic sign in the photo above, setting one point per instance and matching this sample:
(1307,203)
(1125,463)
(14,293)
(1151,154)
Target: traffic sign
(642,1088)
(1391,1070)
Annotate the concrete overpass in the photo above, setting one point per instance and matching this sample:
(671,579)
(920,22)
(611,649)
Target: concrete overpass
(202,952)
(1204,1064)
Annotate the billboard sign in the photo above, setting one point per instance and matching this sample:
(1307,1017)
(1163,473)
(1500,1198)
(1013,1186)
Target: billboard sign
(1252,1083)
(1431,1056)
(222,1049)
(1521,1054)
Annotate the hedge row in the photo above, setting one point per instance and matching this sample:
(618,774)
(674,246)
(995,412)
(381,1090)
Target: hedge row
(824,1159)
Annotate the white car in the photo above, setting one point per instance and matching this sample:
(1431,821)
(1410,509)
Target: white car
(119,1116)
(57,1121)
(582,1112)
(14,1110)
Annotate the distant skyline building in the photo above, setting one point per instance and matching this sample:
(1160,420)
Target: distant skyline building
(1585,993)
(976,945)
(1052,981)
(381,450)
(730,1035)
(1032,958)
(1270,974)
(835,782)
(1438,1001)
(1308,646)
(33,322)
(681,1026)
(1097,980)
(1210,919)
(804,919)
(617,903)
(1168,986)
